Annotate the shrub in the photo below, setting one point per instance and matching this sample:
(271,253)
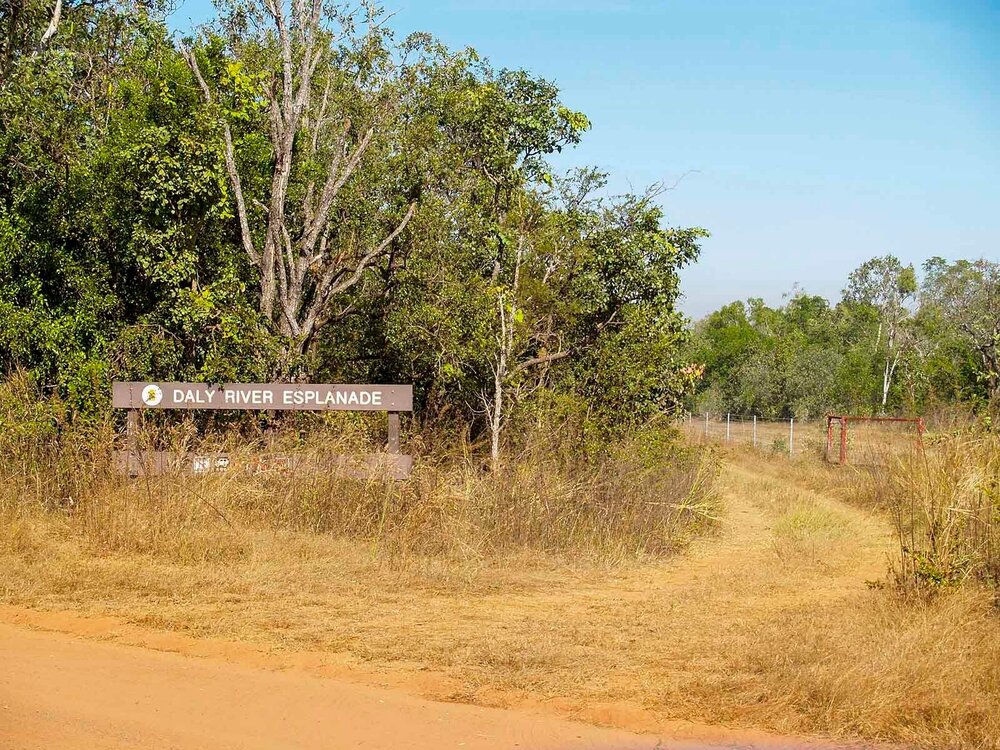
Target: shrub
(643,496)
(945,504)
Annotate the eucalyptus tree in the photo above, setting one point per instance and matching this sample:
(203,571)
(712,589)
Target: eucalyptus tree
(888,287)
(593,306)
(27,27)
(964,297)
(311,100)
(508,122)
(457,306)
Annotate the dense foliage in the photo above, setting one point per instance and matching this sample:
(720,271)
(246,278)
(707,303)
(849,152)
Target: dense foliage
(897,342)
(291,193)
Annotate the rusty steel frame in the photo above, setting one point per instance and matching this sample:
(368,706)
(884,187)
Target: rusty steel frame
(844,421)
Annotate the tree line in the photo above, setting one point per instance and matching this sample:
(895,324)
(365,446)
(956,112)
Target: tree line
(898,341)
(292,193)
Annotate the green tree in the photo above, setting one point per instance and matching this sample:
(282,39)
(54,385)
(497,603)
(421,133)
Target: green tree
(886,286)
(293,193)
(960,303)
(312,105)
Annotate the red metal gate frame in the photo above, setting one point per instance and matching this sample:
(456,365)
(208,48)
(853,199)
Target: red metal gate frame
(844,420)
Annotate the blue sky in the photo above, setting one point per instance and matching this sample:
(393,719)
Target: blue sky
(806,136)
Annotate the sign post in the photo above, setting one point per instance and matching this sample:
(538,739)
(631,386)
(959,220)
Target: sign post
(137,397)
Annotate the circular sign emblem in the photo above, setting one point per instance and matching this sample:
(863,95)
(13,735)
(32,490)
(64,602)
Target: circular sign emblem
(152,394)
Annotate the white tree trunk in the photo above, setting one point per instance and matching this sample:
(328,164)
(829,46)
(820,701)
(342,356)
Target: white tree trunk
(300,274)
(53,24)
(496,420)
(885,385)
(496,409)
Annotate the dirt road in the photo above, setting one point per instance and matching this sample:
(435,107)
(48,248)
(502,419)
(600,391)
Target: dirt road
(58,692)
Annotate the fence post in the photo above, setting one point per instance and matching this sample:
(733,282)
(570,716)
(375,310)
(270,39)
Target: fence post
(131,428)
(727,427)
(706,425)
(791,435)
(754,430)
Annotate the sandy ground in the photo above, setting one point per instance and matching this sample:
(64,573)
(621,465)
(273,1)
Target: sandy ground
(58,692)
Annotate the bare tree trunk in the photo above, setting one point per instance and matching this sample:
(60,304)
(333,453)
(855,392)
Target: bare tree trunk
(885,385)
(888,374)
(300,273)
(496,417)
(53,24)
(495,406)
(891,361)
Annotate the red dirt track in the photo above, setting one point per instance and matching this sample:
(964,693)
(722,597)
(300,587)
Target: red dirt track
(60,692)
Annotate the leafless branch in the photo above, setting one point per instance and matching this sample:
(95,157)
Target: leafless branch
(543,359)
(230,159)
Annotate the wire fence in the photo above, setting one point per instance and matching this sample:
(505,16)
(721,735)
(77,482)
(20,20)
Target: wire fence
(777,435)
(874,443)
(871,444)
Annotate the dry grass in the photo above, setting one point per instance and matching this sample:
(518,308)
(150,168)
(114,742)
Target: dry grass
(945,506)
(809,531)
(769,623)
(643,497)
(611,510)
(883,666)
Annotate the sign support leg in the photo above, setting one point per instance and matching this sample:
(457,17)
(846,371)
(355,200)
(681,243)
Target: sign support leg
(131,439)
(393,432)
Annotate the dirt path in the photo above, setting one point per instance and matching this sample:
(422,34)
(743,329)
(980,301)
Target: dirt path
(650,651)
(58,693)
(62,693)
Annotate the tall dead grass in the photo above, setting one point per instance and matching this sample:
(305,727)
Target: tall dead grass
(918,674)
(549,498)
(945,506)
(501,582)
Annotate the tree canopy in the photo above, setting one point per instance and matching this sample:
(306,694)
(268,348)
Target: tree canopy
(290,192)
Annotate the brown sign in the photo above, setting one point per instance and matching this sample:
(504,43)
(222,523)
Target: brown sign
(261,396)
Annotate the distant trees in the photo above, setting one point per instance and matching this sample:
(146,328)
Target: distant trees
(894,342)
(766,361)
